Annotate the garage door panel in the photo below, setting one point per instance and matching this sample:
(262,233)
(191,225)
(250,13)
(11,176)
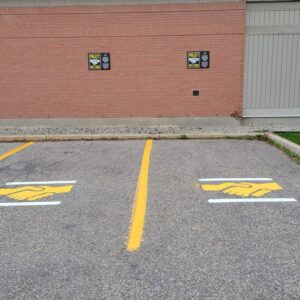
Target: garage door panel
(272,62)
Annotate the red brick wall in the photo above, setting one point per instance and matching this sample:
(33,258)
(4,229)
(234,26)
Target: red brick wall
(43,60)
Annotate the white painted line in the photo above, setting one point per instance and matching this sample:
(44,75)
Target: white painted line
(252,200)
(29,203)
(41,182)
(234,179)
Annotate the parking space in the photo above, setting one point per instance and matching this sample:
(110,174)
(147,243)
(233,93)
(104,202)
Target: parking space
(191,247)
(61,251)
(222,251)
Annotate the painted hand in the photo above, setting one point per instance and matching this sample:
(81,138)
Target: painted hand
(244,189)
(31,193)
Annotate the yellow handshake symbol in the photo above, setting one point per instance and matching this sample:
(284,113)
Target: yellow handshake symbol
(243,189)
(31,193)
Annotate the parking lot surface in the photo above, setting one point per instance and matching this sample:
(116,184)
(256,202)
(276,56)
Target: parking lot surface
(199,240)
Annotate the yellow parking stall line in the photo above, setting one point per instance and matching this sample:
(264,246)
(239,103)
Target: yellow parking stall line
(15,150)
(140,202)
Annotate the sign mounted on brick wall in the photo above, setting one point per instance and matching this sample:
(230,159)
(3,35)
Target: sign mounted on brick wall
(198,60)
(204,59)
(99,61)
(193,60)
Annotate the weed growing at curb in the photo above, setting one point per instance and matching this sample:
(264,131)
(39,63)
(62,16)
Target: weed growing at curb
(291,154)
(264,138)
(258,137)
(262,131)
(183,137)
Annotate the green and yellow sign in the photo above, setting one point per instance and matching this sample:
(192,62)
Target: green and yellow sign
(99,61)
(198,60)
(193,60)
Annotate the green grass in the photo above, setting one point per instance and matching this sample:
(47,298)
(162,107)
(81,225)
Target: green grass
(292,136)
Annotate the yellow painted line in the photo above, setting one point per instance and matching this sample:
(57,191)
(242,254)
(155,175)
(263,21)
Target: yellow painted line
(140,202)
(15,150)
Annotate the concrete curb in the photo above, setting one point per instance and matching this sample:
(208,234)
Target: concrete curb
(284,142)
(111,137)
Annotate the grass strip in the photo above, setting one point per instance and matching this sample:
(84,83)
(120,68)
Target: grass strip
(291,136)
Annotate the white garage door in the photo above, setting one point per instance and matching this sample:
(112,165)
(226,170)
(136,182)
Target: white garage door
(272,60)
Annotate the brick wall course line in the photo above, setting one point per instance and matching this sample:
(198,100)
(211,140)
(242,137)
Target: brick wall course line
(121,9)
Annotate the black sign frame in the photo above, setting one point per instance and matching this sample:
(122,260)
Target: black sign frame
(99,65)
(202,56)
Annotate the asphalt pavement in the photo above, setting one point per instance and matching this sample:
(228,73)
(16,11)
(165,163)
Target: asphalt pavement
(190,248)
(5,147)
